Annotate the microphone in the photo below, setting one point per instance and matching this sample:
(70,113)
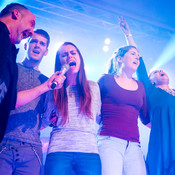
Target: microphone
(63,70)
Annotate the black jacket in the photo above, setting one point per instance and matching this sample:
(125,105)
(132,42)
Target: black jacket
(8,77)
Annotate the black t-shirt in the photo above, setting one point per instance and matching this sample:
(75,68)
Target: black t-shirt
(8,77)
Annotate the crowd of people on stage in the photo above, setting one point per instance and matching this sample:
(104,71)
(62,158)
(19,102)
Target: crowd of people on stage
(94,124)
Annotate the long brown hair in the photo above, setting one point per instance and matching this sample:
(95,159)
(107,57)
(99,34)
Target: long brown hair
(60,95)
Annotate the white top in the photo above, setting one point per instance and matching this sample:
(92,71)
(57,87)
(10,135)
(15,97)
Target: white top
(79,132)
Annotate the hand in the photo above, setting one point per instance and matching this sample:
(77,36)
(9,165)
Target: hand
(58,78)
(124,25)
(53,119)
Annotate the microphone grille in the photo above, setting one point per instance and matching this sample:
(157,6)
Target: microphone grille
(65,68)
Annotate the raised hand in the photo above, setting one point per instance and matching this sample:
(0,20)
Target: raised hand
(124,25)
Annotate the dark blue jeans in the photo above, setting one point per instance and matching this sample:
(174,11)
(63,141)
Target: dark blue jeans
(20,158)
(69,163)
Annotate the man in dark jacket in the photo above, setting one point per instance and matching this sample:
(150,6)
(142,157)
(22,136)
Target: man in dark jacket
(16,23)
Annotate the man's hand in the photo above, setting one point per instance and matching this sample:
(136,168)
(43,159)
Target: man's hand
(58,78)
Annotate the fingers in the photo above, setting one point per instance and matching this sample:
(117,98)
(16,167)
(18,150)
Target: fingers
(60,80)
(57,79)
(53,120)
(121,18)
(122,22)
(57,73)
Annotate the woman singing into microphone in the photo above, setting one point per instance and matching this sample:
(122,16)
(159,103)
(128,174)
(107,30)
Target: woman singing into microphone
(72,146)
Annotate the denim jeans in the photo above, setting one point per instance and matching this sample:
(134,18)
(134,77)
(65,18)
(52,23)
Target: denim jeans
(20,158)
(68,163)
(120,157)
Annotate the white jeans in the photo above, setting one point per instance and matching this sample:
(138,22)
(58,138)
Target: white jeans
(120,157)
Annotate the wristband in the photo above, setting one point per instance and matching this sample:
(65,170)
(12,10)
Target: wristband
(128,35)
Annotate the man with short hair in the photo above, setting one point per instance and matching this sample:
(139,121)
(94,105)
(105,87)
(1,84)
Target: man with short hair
(16,23)
(21,149)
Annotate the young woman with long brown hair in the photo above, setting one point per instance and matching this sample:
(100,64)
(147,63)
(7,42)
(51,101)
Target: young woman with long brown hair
(72,144)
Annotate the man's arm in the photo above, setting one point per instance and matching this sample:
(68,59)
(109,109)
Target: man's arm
(26,96)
